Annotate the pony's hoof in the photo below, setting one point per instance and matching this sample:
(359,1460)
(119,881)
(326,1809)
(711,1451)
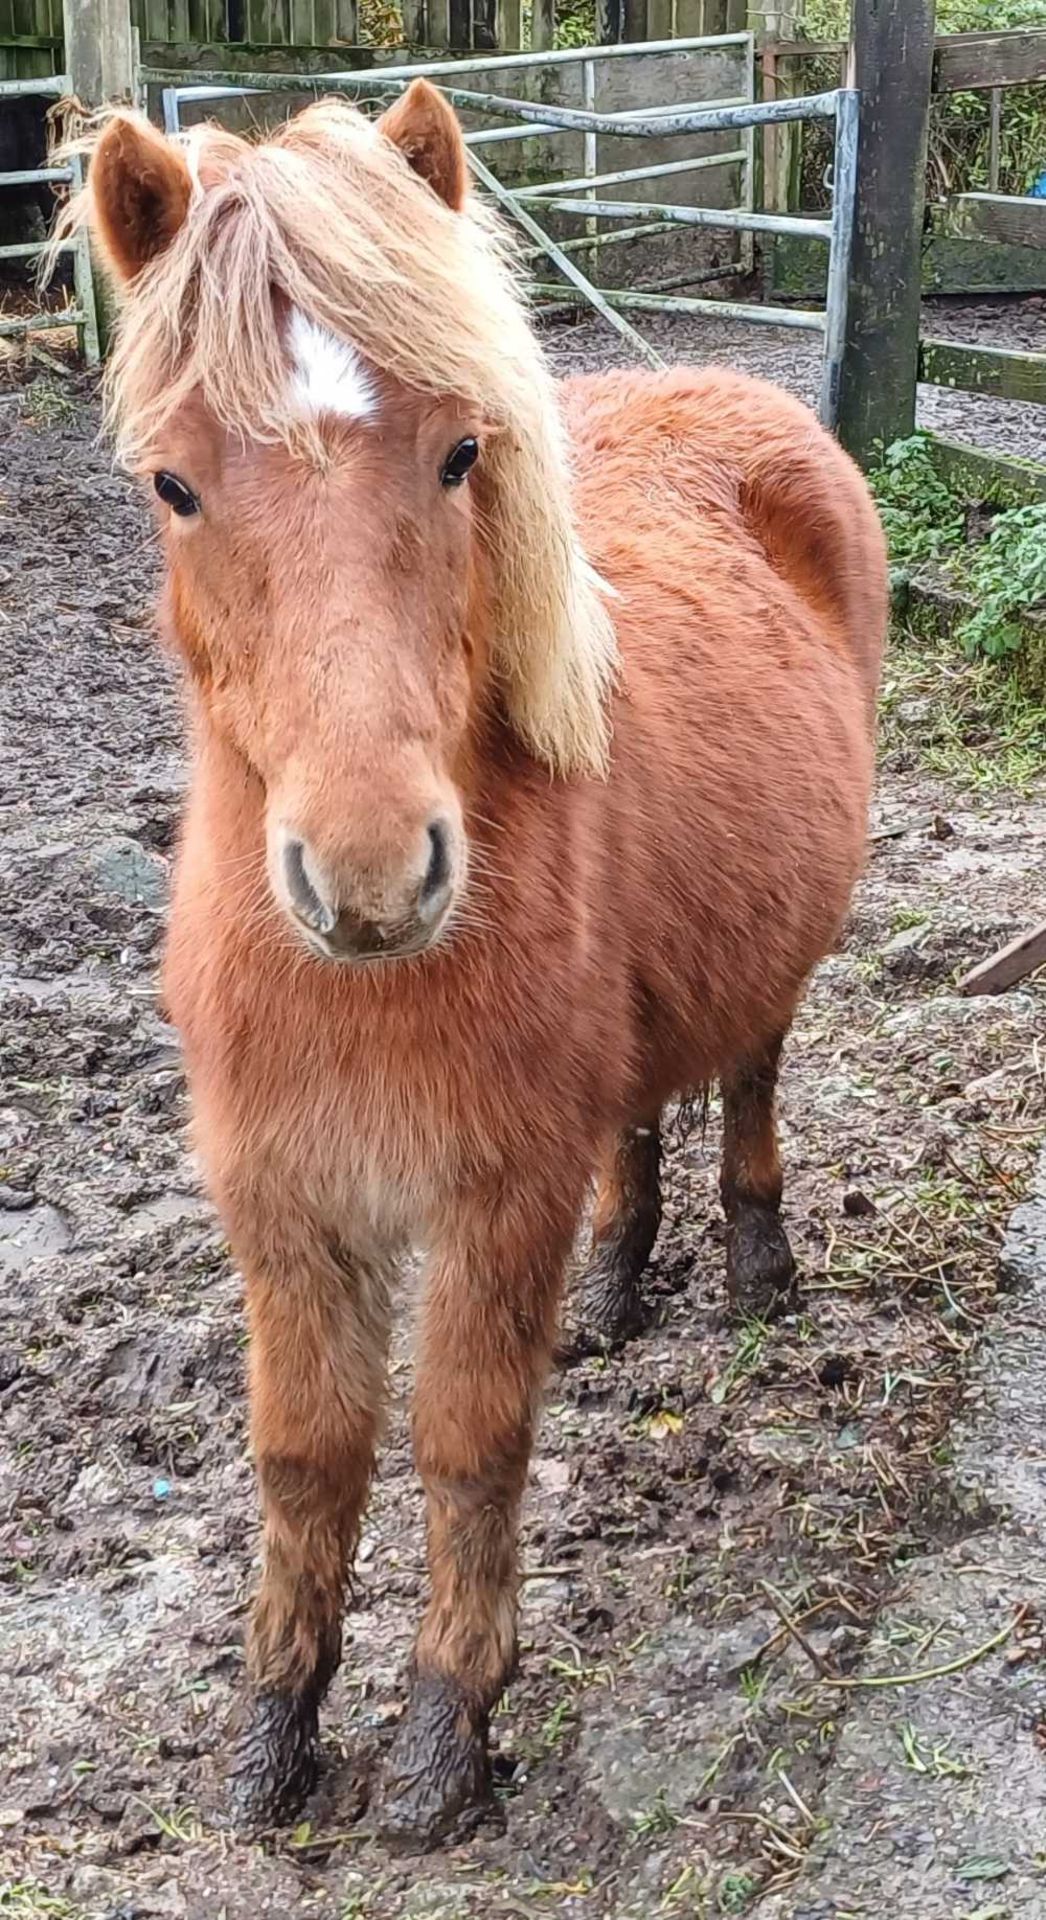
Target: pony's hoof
(760,1270)
(437,1777)
(274,1767)
(611,1311)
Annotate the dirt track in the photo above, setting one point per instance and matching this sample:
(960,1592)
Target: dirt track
(668,1748)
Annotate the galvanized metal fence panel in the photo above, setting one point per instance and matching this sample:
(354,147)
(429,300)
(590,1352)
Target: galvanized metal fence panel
(582,196)
(83,315)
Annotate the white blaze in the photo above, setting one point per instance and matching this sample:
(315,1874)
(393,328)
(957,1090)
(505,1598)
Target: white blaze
(327,373)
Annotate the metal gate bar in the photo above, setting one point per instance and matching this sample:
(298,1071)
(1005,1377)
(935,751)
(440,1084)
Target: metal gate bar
(530,119)
(84,315)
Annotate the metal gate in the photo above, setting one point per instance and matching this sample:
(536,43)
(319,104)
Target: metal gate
(83,315)
(590,195)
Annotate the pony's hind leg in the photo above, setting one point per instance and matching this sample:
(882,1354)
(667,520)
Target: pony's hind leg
(488,1323)
(318,1323)
(760,1271)
(625,1221)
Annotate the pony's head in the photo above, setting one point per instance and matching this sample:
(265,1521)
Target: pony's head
(325,374)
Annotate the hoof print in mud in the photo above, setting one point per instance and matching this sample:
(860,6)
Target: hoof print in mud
(274,1767)
(760,1271)
(437,1781)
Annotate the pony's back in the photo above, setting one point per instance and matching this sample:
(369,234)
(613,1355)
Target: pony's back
(755,454)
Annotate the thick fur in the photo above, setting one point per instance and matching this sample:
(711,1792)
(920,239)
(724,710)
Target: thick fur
(615,941)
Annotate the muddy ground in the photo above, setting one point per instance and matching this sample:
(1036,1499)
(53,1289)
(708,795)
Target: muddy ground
(727,1527)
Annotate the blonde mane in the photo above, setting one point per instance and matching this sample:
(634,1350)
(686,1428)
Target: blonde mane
(326,215)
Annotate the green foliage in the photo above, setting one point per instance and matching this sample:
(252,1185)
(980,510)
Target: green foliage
(1007,576)
(576,24)
(922,518)
(925,521)
(828,19)
(959,129)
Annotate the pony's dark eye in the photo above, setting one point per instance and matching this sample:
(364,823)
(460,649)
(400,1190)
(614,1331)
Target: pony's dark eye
(457,464)
(175,494)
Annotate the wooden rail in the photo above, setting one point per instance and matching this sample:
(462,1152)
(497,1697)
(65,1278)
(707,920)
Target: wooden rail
(963,62)
(1002,371)
(967,62)
(1004,218)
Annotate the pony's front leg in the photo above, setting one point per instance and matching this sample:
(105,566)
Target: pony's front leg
(488,1324)
(318,1322)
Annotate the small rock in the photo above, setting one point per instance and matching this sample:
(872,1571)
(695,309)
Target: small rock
(124,868)
(942,829)
(856,1204)
(16,1199)
(907,938)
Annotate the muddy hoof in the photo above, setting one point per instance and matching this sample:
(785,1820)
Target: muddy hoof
(273,1769)
(760,1270)
(437,1777)
(611,1311)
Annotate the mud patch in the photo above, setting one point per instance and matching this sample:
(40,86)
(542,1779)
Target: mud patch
(716,1518)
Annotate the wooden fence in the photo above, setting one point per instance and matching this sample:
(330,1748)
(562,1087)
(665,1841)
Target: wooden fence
(245,33)
(955,258)
(898,67)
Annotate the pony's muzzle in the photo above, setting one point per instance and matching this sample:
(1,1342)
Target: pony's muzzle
(351,918)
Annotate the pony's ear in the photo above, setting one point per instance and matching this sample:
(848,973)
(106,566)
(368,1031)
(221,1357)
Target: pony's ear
(424,126)
(140,188)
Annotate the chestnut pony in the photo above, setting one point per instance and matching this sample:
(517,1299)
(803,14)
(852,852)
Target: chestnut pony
(532,736)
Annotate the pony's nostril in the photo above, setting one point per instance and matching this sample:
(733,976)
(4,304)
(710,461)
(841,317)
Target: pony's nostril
(438,871)
(303,896)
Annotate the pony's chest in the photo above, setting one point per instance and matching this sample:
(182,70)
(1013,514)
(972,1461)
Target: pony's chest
(355,1096)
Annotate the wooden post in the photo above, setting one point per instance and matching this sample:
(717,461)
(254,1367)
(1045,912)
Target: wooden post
(100,62)
(892,64)
(782,146)
(99,51)
(994,137)
(542,25)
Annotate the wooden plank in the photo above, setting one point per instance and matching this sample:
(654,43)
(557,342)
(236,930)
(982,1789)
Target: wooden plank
(610,20)
(508,25)
(801,49)
(1002,371)
(415,23)
(99,51)
(969,61)
(198,21)
(178,19)
(459,14)
(634,20)
(1010,964)
(346,23)
(437,24)
(994,138)
(996,478)
(893,60)
(964,62)
(781,147)
(543,25)
(1005,218)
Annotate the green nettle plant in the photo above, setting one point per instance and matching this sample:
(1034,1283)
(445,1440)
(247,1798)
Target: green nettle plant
(1007,578)
(1003,576)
